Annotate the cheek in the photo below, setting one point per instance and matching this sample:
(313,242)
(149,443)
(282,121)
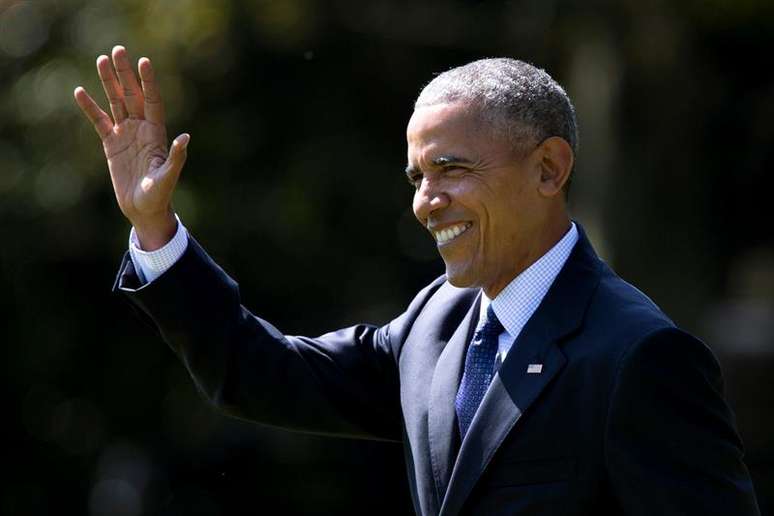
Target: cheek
(497,225)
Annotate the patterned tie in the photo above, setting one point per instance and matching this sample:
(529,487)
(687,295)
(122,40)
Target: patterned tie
(479,369)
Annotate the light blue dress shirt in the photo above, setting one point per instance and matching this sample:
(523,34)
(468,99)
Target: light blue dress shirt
(516,303)
(149,265)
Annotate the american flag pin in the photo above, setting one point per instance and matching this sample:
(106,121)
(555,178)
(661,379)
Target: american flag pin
(534,368)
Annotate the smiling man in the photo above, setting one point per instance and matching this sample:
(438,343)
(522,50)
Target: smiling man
(528,379)
(492,204)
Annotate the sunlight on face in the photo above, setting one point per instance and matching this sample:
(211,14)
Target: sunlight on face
(475,195)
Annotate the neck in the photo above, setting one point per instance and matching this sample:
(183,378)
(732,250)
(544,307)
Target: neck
(546,238)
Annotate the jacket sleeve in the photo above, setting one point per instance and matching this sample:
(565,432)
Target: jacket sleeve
(671,446)
(342,383)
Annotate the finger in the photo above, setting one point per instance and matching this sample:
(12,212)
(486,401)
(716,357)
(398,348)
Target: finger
(93,112)
(133,98)
(176,159)
(112,89)
(154,109)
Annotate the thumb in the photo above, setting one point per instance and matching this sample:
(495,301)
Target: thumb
(176,158)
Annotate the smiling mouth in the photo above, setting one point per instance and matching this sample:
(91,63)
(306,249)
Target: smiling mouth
(448,234)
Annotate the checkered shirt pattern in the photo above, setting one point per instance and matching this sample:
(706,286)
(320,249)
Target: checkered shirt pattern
(516,303)
(149,265)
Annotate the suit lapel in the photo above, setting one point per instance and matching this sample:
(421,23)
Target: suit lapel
(443,389)
(513,388)
(511,393)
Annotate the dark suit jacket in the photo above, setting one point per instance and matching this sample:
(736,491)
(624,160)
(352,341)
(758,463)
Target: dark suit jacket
(627,415)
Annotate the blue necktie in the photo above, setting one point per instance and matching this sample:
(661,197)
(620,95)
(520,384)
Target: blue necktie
(479,369)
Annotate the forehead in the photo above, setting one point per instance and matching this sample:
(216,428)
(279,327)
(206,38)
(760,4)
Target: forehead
(447,128)
(439,122)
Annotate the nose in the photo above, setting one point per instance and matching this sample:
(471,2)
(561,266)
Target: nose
(429,198)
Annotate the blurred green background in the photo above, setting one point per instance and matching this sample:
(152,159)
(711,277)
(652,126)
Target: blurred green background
(294,183)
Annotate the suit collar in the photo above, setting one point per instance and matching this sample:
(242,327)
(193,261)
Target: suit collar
(513,389)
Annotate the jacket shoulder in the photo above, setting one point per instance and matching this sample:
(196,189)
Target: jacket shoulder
(621,309)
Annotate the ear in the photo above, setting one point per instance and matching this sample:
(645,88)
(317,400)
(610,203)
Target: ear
(556,161)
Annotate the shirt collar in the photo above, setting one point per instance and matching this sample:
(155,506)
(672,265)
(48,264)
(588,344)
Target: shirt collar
(516,303)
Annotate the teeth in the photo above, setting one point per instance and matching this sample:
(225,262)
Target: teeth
(447,234)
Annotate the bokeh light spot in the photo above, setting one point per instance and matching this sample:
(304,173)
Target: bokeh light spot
(115,497)
(23,29)
(58,186)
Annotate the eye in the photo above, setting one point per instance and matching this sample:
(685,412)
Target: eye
(415,180)
(453,170)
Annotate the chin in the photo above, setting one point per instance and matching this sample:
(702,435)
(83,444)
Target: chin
(461,278)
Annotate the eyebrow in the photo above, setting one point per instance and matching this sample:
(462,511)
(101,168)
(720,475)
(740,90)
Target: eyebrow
(440,161)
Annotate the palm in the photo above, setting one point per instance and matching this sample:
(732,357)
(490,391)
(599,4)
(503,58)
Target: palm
(143,170)
(136,151)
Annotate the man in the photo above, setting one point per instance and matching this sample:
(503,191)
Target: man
(529,379)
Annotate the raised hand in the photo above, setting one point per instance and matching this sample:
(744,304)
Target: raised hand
(143,169)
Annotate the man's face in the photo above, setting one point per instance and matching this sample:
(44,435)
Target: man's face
(477,197)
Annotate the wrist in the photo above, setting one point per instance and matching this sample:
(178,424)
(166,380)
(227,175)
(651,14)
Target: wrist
(155,233)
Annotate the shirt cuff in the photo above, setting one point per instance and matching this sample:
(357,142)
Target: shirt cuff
(149,265)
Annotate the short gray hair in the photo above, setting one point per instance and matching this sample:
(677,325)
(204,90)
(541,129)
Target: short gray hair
(518,99)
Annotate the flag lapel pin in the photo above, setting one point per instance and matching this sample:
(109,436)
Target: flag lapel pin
(534,368)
